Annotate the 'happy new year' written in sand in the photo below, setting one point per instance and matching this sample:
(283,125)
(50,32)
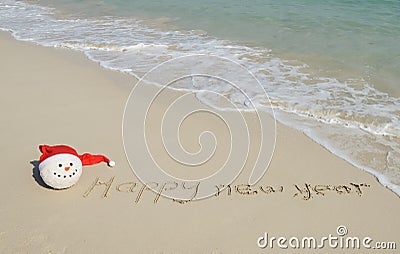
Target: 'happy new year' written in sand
(142,192)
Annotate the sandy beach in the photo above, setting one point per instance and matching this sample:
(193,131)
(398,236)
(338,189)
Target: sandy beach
(57,96)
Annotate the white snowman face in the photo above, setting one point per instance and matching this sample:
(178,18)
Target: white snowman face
(61,171)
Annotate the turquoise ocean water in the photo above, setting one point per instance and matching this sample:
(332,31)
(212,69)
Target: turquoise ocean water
(331,68)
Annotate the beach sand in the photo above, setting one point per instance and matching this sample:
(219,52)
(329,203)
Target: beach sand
(57,96)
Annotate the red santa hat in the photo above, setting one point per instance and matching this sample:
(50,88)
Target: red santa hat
(86,158)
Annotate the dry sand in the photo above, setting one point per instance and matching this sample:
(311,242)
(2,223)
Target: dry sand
(57,96)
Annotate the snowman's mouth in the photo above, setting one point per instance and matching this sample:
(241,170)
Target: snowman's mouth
(67,175)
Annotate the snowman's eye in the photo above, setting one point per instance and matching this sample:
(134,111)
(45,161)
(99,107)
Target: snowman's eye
(71,164)
(60,165)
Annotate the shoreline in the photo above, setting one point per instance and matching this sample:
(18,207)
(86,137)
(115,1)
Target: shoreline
(51,103)
(363,136)
(380,178)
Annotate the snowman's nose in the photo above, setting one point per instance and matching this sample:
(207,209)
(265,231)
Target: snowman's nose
(67,168)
